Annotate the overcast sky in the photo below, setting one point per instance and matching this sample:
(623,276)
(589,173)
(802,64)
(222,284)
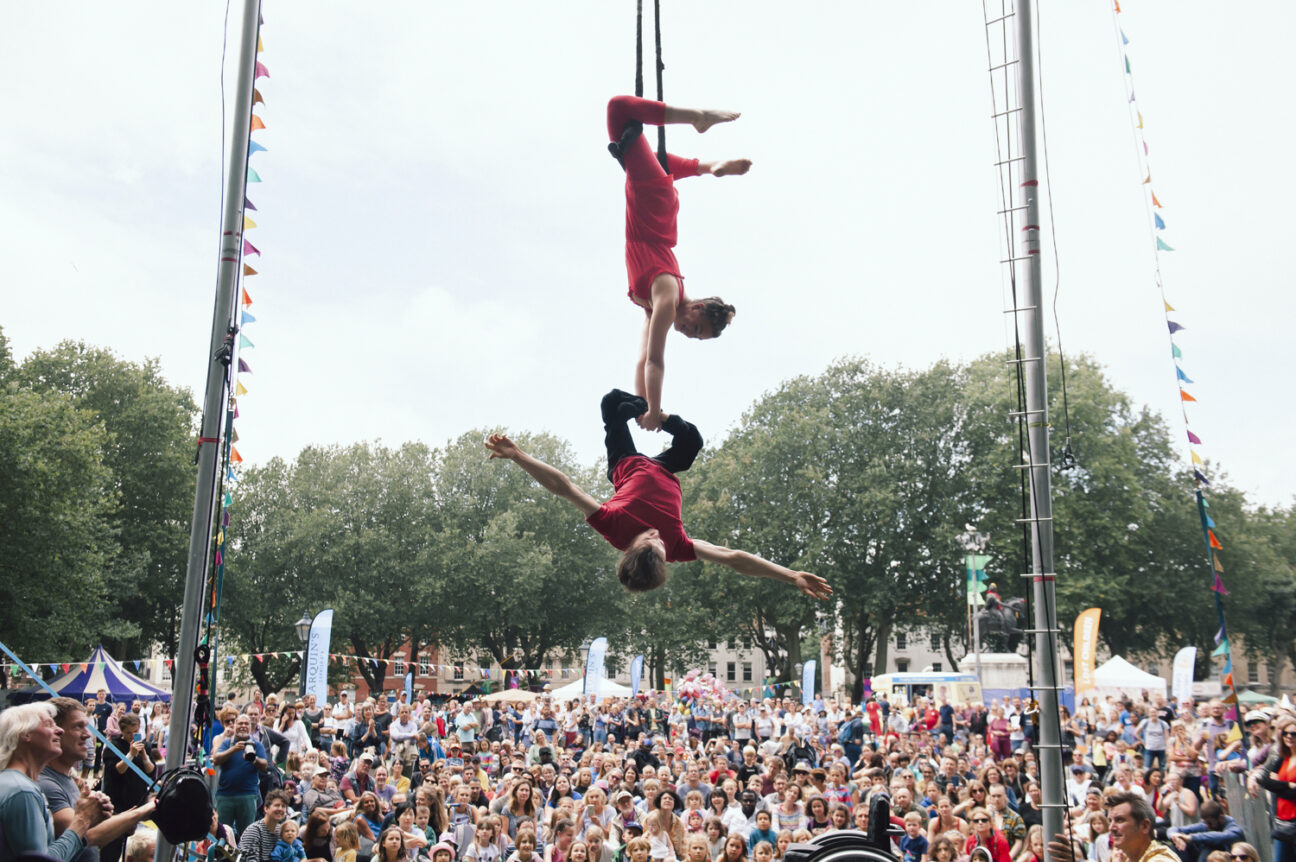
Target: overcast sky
(442,229)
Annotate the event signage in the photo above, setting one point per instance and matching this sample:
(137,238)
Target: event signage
(1181,675)
(1085,649)
(594,669)
(317,655)
(636,674)
(807,682)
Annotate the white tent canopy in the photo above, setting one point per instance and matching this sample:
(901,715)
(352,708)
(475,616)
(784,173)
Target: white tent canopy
(1119,676)
(576,689)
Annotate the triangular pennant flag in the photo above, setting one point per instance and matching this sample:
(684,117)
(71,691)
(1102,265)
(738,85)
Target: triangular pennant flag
(229,500)
(1162,246)
(1198,477)
(168,662)
(1214,542)
(254,147)
(247,204)
(1179,373)
(1193,438)
(65,667)
(1217,565)
(243,367)
(1223,648)
(261,71)
(249,248)
(1156,203)
(1183,396)
(1117,2)
(258,656)
(253,176)
(257,123)
(137,664)
(1140,116)
(1168,306)
(1196,459)
(235,456)
(1174,327)
(1231,697)
(244,342)
(1175,351)
(234,431)
(256,96)
(1218,587)
(247,270)
(1145,148)
(1228,680)
(229,661)
(84,667)
(1160,222)
(1127,66)
(247,317)
(248,224)
(1131,97)
(218,558)
(1228,664)
(229,477)
(225,520)
(1219,635)
(259,48)
(240,389)
(1124,40)
(1149,178)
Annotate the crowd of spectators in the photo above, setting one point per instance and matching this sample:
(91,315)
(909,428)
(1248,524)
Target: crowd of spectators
(653,778)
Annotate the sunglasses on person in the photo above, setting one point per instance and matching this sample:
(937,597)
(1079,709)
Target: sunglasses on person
(1290,734)
(1240,856)
(980,819)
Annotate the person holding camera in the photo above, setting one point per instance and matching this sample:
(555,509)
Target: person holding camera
(241,759)
(125,787)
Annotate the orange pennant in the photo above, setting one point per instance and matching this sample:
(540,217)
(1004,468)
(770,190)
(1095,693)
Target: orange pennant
(257,123)
(256,96)
(1228,680)
(1149,178)
(1117,5)
(235,456)
(1219,567)
(247,270)
(1156,203)
(247,300)
(1232,698)
(1214,542)
(1184,396)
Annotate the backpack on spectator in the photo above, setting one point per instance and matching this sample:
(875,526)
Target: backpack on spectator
(846,733)
(184,806)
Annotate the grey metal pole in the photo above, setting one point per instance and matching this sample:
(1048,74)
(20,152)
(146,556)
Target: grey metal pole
(214,406)
(1030,318)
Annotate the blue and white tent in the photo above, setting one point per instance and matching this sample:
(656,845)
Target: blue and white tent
(101,671)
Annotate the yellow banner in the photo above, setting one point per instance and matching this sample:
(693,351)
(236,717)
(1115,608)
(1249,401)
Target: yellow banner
(1085,648)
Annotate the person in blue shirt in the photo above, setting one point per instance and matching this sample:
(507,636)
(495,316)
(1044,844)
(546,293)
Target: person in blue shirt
(289,847)
(241,760)
(913,846)
(762,831)
(1216,831)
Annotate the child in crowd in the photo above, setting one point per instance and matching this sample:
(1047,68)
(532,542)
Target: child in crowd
(348,842)
(288,848)
(913,846)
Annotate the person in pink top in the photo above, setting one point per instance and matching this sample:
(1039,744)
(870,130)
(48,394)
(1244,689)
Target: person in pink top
(643,519)
(652,205)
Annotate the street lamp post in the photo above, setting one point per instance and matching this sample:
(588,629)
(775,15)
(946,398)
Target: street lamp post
(303,627)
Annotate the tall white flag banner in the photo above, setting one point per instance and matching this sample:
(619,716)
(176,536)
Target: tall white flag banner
(317,653)
(807,682)
(636,674)
(1181,677)
(594,669)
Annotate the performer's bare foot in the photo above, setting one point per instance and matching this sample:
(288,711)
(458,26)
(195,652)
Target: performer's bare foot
(735,167)
(707,119)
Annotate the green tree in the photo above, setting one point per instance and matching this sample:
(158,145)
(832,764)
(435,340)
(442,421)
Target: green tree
(57,506)
(148,446)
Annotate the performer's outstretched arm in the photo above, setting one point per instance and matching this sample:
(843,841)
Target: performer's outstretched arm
(745,563)
(552,479)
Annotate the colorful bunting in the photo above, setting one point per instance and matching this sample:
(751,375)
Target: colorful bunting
(1216,564)
(1175,351)
(1162,246)
(239,388)
(249,248)
(1184,396)
(245,342)
(261,71)
(1160,222)
(1214,542)
(253,176)
(257,123)
(1222,649)
(256,96)
(1156,203)
(1179,373)
(243,367)
(254,147)
(248,224)
(247,270)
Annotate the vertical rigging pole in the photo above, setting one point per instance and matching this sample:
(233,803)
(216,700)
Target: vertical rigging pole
(1028,296)
(214,403)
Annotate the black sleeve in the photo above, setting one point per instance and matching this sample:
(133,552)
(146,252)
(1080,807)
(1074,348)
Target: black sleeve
(1279,788)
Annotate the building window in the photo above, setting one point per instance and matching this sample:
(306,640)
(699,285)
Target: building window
(936,641)
(747,671)
(746,643)
(166,672)
(902,665)
(1253,671)
(425,667)
(398,666)
(936,667)
(711,668)
(458,672)
(901,641)
(1153,668)
(731,671)
(711,644)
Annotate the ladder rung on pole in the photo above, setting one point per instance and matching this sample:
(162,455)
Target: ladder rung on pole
(1000,18)
(1014,259)
(1023,359)
(1003,65)
(1032,520)
(1032,466)
(1005,113)
(1015,311)
(1009,161)
(1027,412)
(1012,209)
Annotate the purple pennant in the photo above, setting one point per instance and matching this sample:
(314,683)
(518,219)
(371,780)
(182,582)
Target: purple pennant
(243,367)
(248,205)
(1193,438)
(219,559)
(261,72)
(1218,586)
(249,248)
(1219,635)
(1200,477)
(225,520)
(1174,327)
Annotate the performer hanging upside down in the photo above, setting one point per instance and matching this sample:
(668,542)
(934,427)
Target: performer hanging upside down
(644,517)
(652,205)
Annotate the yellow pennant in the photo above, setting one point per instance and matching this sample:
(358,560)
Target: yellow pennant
(1168,306)
(260,48)
(248,223)
(1140,115)
(1234,734)
(1219,567)
(240,389)
(1196,459)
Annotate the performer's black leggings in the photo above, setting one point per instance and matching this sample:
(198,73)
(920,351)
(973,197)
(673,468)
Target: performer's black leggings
(620,407)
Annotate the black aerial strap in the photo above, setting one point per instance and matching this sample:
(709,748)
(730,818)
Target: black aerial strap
(639,88)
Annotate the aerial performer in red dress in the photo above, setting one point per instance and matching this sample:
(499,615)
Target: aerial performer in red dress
(652,205)
(643,519)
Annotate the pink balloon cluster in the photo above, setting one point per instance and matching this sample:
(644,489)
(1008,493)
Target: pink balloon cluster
(696,686)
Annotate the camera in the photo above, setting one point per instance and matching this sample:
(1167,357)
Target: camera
(249,752)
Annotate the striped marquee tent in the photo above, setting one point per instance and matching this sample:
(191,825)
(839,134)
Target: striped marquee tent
(100,671)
